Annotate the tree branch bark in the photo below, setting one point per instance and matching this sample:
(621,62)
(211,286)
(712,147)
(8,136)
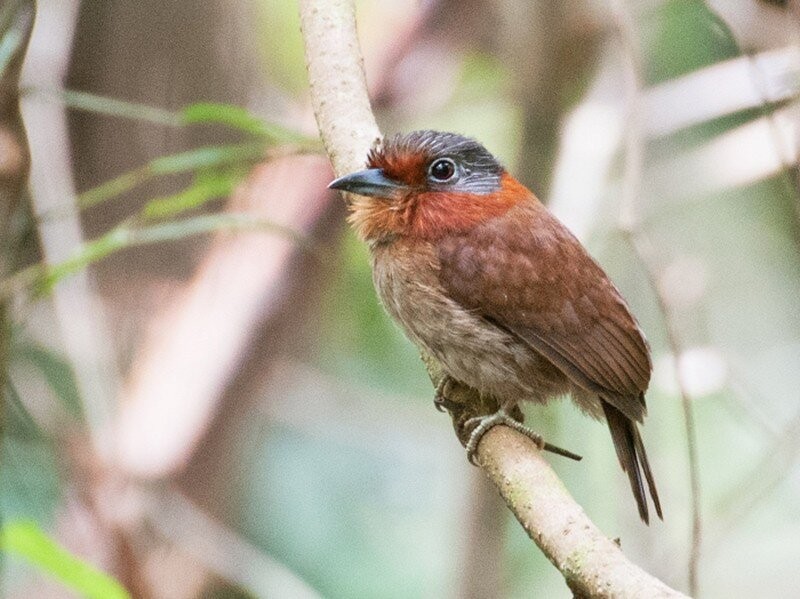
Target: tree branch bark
(592,564)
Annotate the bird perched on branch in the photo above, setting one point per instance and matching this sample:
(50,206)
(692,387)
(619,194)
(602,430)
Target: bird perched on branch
(485,279)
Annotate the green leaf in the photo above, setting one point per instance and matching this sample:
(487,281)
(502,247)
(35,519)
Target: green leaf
(200,158)
(205,188)
(209,156)
(9,44)
(114,187)
(56,371)
(114,107)
(128,235)
(229,115)
(682,36)
(15,28)
(207,223)
(89,253)
(223,114)
(240,118)
(26,540)
(17,421)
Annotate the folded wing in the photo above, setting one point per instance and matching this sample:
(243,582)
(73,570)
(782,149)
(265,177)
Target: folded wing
(527,274)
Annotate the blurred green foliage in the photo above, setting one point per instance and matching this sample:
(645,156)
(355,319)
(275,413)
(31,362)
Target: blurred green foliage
(26,540)
(680,36)
(25,447)
(282,45)
(361,342)
(368,501)
(216,171)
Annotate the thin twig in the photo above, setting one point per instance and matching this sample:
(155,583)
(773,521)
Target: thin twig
(641,245)
(629,223)
(592,564)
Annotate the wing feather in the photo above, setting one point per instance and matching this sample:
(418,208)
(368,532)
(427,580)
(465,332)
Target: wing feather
(527,274)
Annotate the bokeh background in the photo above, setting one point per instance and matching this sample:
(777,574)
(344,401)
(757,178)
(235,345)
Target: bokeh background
(202,396)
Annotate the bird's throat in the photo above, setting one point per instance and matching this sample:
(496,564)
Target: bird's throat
(432,215)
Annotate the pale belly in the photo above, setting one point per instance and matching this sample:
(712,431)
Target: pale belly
(471,350)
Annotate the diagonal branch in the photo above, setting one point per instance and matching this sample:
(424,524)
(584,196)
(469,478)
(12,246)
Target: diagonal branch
(592,565)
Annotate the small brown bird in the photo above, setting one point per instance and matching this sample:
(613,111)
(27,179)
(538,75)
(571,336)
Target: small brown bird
(484,278)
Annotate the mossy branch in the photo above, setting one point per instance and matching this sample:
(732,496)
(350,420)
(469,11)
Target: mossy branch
(592,564)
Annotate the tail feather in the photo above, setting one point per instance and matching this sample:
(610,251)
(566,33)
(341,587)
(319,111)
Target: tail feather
(633,459)
(648,474)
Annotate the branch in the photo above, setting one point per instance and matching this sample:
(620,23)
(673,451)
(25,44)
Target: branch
(84,329)
(592,565)
(338,85)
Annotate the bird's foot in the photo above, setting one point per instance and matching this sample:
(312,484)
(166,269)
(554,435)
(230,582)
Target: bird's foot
(440,401)
(482,425)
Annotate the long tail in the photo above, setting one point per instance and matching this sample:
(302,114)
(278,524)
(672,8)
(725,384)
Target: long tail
(632,457)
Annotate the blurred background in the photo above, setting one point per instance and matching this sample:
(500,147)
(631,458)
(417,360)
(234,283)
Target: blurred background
(202,396)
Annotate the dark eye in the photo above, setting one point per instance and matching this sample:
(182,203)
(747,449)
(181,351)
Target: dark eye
(442,169)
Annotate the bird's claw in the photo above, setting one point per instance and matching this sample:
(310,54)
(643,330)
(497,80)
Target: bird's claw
(482,424)
(440,401)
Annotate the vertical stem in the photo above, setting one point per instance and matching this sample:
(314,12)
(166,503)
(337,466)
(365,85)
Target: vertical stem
(641,246)
(336,74)
(630,224)
(83,329)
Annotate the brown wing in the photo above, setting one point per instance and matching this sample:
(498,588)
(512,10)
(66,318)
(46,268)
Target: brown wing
(526,273)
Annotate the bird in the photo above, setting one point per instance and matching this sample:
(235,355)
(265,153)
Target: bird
(483,277)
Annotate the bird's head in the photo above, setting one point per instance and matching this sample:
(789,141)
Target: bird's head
(427,184)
